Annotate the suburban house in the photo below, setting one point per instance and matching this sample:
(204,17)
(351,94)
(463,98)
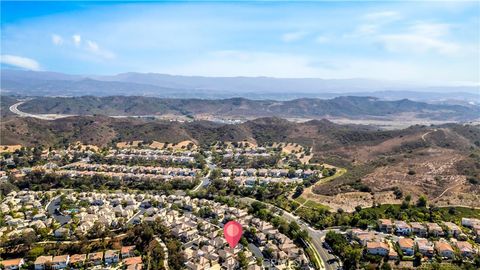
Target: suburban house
(419,229)
(12,264)
(470,222)
(60,262)
(406,246)
(43,262)
(112,256)
(133,263)
(378,248)
(95,258)
(61,232)
(434,229)
(453,229)
(77,260)
(385,225)
(425,247)
(465,248)
(402,228)
(127,251)
(444,249)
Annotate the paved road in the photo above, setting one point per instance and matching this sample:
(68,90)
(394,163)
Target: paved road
(140,212)
(52,206)
(206,180)
(316,236)
(14,109)
(255,250)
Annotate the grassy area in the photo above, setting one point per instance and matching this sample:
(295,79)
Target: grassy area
(459,212)
(340,172)
(300,200)
(313,204)
(413,213)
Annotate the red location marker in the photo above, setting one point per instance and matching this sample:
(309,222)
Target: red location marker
(232,232)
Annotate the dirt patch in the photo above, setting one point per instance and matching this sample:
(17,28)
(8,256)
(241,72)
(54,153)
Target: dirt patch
(83,147)
(9,148)
(431,172)
(296,149)
(348,201)
(128,144)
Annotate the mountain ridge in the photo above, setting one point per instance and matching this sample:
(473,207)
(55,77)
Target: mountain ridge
(32,83)
(350,107)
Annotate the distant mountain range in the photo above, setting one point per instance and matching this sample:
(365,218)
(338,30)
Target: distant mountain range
(31,83)
(349,107)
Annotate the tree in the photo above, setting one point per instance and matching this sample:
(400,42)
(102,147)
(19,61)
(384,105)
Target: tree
(422,201)
(242,260)
(386,266)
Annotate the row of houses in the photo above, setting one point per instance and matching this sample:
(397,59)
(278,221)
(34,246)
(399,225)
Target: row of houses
(431,229)
(378,244)
(171,171)
(251,181)
(248,150)
(125,256)
(248,155)
(124,176)
(169,158)
(276,173)
(148,152)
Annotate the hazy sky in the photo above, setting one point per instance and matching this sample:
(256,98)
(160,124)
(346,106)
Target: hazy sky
(416,41)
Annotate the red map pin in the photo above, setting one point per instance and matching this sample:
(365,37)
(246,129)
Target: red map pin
(232,232)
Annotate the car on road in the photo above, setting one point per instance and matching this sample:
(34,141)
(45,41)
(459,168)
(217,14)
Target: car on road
(332,261)
(326,245)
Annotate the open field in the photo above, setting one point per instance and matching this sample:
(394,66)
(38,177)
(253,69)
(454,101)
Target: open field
(9,148)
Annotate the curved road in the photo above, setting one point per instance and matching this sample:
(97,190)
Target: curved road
(14,109)
(53,207)
(316,236)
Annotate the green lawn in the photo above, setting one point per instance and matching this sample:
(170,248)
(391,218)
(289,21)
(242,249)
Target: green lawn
(312,204)
(300,200)
(340,172)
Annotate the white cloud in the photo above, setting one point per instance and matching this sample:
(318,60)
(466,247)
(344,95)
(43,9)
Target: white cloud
(366,29)
(19,61)
(322,39)
(431,29)
(93,47)
(77,39)
(418,43)
(57,39)
(256,63)
(373,22)
(382,15)
(422,37)
(245,63)
(293,36)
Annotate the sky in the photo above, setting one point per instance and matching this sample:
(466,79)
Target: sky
(410,41)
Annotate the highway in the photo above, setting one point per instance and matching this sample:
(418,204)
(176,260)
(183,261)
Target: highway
(316,236)
(14,109)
